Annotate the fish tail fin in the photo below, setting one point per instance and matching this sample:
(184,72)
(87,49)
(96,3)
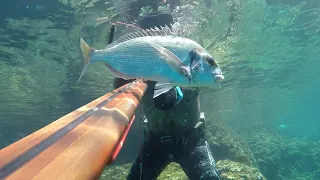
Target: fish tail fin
(86,52)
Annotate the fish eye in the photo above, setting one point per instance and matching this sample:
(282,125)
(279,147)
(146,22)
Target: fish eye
(211,61)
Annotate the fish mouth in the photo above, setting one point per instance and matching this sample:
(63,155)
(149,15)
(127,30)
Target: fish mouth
(218,77)
(217,74)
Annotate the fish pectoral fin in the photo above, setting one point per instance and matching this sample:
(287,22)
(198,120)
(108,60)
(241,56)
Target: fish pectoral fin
(161,88)
(172,60)
(186,71)
(168,55)
(117,73)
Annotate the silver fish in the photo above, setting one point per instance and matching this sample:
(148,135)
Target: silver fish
(157,55)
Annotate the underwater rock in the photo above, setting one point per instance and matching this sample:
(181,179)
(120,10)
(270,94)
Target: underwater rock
(120,172)
(115,172)
(40,63)
(283,158)
(226,145)
(230,170)
(173,171)
(32,76)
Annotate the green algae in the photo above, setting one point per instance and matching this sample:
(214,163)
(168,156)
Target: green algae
(225,144)
(279,157)
(229,170)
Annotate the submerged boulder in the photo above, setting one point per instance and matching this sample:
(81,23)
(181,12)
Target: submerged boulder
(230,170)
(280,157)
(227,145)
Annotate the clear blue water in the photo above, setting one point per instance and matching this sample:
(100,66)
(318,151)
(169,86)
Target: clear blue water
(271,66)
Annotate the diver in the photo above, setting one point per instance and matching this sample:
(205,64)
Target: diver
(175,127)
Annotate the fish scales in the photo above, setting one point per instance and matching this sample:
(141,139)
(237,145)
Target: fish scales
(139,54)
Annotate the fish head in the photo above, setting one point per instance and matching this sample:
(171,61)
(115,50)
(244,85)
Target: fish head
(205,70)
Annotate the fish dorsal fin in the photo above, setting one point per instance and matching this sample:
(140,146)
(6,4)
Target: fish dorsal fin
(163,31)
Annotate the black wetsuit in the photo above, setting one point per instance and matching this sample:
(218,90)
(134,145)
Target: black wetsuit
(186,146)
(194,157)
(171,134)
